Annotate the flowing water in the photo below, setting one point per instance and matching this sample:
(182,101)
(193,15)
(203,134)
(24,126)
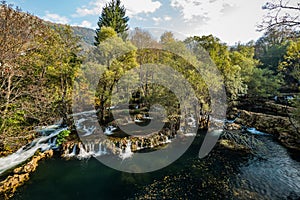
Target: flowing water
(28,151)
(271,173)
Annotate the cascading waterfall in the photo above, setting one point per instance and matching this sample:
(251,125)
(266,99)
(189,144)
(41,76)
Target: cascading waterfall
(100,152)
(127,152)
(89,150)
(27,151)
(83,154)
(73,153)
(89,131)
(74,150)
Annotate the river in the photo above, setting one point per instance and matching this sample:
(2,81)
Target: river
(272,172)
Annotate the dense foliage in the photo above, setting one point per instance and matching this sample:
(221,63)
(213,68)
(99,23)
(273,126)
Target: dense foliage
(38,64)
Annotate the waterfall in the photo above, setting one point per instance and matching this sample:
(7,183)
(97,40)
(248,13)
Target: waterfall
(190,134)
(127,153)
(100,152)
(53,143)
(151,143)
(74,150)
(82,153)
(27,151)
(73,153)
(78,123)
(45,130)
(192,122)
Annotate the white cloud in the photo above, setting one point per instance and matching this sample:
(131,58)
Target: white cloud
(85,23)
(56,18)
(93,8)
(167,18)
(133,7)
(84,11)
(231,21)
(140,18)
(201,8)
(156,20)
(141,6)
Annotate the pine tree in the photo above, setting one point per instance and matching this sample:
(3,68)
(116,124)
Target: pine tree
(113,15)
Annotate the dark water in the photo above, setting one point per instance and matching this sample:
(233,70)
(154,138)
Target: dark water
(272,173)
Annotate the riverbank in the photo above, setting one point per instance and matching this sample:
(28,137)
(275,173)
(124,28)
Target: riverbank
(270,117)
(21,175)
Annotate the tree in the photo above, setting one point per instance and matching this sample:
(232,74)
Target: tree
(264,83)
(243,57)
(282,14)
(291,64)
(62,72)
(167,37)
(270,49)
(37,65)
(220,55)
(285,15)
(115,57)
(146,44)
(113,15)
(18,34)
(143,39)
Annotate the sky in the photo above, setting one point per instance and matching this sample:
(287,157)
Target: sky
(231,21)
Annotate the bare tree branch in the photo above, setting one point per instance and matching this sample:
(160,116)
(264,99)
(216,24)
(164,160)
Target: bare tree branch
(282,14)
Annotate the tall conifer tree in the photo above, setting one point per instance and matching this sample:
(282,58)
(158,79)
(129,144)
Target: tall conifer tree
(113,15)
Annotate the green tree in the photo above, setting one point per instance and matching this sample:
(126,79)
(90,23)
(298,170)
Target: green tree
(220,55)
(146,45)
(115,57)
(243,57)
(63,69)
(291,64)
(264,83)
(270,49)
(113,15)
(38,63)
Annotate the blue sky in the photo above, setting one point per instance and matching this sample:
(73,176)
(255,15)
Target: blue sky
(229,20)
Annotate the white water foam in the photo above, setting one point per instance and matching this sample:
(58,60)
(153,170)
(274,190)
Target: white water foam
(127,152)
(27,151)
(256,132)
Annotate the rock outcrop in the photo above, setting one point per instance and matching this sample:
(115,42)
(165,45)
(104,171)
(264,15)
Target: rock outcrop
(269,117)
(21,175)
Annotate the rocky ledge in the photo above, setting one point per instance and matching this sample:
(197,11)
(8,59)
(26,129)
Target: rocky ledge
(268,117)
(20,175)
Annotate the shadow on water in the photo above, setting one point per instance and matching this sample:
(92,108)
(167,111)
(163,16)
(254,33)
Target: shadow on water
(224,174)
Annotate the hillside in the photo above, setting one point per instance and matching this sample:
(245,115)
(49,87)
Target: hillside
(86,34)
